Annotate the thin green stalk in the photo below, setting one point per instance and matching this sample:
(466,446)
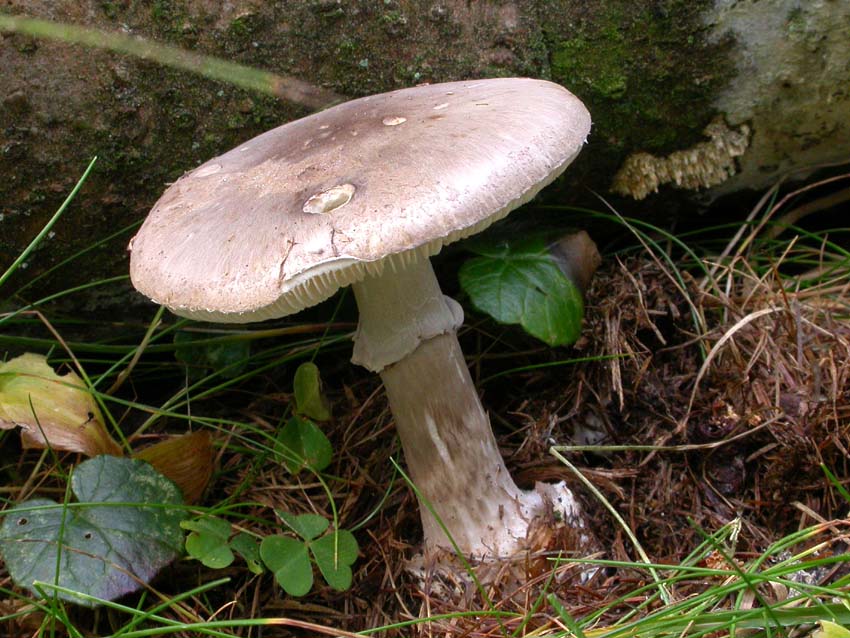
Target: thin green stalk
(63,293)
(152,613)
(282,86)
(835,483)
(538,603)
(565,616)
(51,222)
(81,253)
(665,595)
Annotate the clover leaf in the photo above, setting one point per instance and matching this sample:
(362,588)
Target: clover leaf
(289,558)
(208,541)
(304,445)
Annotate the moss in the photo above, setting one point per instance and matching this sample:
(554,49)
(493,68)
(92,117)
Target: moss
(168,16)
(109,9)
(242,31)
(328,11)
(796,21)
(620,56)
(604,74)
(394,22)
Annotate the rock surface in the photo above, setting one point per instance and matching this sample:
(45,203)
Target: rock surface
(771,77)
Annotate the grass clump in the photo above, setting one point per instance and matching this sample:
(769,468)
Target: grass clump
(705,402)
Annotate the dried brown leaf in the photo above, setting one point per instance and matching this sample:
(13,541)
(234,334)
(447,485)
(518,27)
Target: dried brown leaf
(187,460)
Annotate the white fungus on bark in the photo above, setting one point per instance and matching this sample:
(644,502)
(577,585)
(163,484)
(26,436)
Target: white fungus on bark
(706,164)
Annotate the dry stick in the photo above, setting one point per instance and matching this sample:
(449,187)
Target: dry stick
(715,350)
(282,86)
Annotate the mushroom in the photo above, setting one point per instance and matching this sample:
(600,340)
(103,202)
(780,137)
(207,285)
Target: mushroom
(363,194)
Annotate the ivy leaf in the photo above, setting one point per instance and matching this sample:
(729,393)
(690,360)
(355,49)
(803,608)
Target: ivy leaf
(289,561)
(522,283)
(207,541)
(304,445)
(94,548)
(309,399)
(334,554)
(307,526)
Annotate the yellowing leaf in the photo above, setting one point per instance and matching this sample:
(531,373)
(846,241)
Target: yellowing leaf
(187,460)
(829,629)
(51,410)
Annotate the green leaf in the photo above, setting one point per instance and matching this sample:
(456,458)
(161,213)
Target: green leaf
(100,550)
(288,560)
(309,399)
(307,526)
(304,445)
(228,356)
(829,629)
(248,548)
(208,541)
(521,283)
(334,554)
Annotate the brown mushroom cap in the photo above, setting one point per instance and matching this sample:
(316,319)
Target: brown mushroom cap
(284,220)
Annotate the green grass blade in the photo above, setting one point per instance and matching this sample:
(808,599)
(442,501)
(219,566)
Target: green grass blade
(37,240)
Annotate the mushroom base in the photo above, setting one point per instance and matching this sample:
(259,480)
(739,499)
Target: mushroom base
(454,461)
(407,333)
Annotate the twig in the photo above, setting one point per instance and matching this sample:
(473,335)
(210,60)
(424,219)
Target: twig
(282,86)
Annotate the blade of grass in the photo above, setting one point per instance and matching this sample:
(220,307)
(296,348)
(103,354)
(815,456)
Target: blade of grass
(662,590)
(51,222)
(81,253)
(565,616)
(836,483)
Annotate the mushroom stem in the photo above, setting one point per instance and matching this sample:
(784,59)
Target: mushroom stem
(451,453)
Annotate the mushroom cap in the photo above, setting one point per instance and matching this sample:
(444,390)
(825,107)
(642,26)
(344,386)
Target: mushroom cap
(284,220)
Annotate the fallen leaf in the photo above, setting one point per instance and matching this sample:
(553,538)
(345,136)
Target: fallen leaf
(51,410)
(123,529)
(187,460)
